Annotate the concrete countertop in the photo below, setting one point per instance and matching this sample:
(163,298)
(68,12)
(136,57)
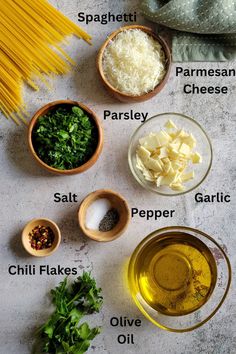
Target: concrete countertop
(27,192)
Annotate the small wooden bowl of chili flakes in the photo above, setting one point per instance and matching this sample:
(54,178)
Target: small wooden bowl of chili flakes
(41,237)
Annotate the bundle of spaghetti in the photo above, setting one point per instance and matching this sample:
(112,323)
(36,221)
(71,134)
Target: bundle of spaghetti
(31,35)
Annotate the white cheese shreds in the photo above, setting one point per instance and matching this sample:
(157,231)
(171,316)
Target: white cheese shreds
(134,62)
(164,157)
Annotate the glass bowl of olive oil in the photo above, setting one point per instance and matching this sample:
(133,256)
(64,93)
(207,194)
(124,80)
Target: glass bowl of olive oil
(179,278)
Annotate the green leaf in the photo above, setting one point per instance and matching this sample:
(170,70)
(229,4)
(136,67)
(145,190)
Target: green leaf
(60,297)
(82,347)
(75,315)
(49,329)
(77,111)
(84,330)
(91,301)
(63,134)
(66,346)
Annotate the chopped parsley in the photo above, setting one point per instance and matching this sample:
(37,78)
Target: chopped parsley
(65,138)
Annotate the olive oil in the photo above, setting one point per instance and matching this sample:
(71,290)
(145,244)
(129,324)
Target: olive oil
(174,273)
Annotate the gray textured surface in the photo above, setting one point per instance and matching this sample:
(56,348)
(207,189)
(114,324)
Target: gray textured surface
(27,192)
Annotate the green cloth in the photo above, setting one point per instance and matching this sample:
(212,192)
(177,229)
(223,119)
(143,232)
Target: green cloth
(205,30)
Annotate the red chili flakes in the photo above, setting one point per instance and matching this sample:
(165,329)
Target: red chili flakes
(41,237)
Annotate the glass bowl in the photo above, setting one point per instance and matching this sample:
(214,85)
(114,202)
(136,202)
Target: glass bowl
(219,268)
(203,146)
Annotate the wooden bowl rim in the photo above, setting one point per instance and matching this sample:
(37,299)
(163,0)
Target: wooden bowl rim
(93,196)
(149,31)
(46,252)
(92,115)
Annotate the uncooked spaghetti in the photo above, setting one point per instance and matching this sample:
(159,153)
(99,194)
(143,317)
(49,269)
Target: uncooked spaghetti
(30,33)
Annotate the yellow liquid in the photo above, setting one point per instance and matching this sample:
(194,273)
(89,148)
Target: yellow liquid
(175,273)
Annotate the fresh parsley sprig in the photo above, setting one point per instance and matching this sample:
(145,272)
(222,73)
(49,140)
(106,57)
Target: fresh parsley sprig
(63,333)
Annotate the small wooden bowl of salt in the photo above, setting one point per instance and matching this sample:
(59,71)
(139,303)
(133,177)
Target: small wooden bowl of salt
(104,215)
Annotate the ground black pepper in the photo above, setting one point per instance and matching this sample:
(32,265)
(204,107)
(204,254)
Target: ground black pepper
(109,221)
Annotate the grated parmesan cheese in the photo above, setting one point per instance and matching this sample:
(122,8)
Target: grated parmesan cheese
(134,62)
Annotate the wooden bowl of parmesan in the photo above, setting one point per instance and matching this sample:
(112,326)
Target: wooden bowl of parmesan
(134,63)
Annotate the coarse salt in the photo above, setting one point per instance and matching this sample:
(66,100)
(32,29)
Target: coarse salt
(96,212)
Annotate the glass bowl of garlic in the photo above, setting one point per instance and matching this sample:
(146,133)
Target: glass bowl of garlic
(170,154)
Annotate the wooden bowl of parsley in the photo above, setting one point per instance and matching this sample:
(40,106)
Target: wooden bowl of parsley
(65,137)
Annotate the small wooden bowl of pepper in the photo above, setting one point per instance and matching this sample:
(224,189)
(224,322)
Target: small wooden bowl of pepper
(41,237)
(111,221)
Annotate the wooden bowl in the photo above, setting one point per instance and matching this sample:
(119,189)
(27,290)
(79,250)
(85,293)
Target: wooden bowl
(123,97)
(117,202)
(44,110)
(47,251)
